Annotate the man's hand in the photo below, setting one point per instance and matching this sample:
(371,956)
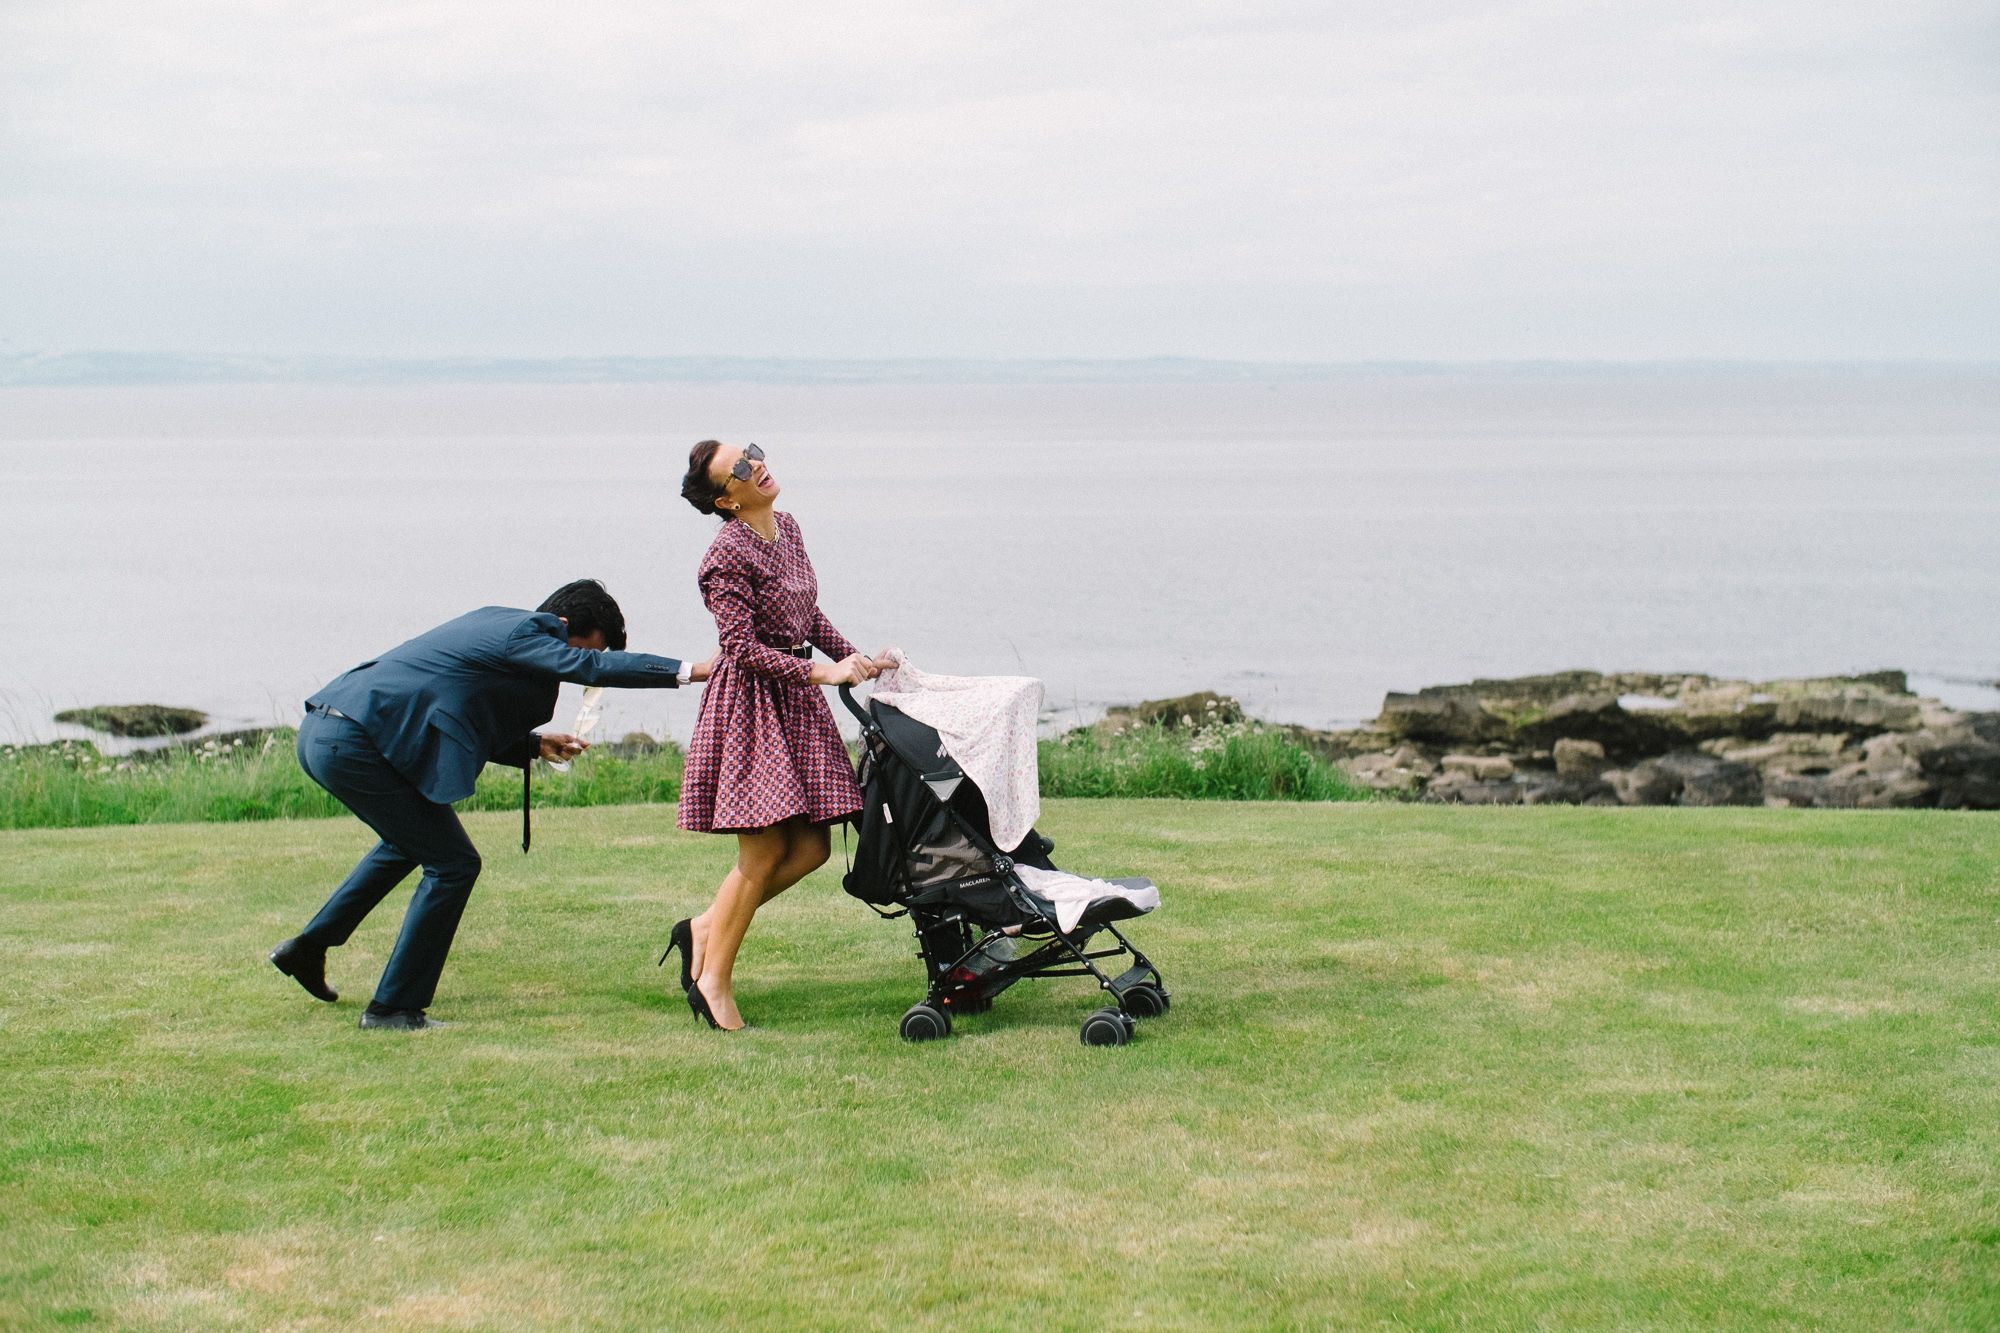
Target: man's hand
(558,746)
(702,670)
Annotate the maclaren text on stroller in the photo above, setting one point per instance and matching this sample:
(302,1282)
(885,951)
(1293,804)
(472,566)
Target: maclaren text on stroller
(925,850)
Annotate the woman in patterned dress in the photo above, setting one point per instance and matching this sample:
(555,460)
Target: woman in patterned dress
(766,762)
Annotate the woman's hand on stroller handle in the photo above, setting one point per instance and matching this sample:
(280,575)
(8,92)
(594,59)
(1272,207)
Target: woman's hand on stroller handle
(850,670)
(856,668)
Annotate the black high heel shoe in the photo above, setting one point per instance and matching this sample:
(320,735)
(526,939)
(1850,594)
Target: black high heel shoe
(699,1003)
(682,938)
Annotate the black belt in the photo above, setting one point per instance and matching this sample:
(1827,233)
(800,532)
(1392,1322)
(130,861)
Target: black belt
(803,652)
(328,710)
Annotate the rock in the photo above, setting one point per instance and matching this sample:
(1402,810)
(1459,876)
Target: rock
(1706,780)
(1461,788)
(1485,710)
(1935,716)
(1557,789)
(1479,767)
(1640,738)
(1597,716)
(1860,709)
(1404,769)
(1445,719)
(136,719)
(1351,743)
(1638,715)
(1899,793)
(1579,758)
(1689,778)
(1409,756)
(1965,771)
(1888,755)
(1704,710)
(1849,789)
(1790,753)
(1636,787)
(1202,709)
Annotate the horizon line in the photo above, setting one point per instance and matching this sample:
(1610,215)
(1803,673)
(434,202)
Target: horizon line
(112,368)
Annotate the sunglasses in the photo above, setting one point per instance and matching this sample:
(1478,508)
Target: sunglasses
(741,468)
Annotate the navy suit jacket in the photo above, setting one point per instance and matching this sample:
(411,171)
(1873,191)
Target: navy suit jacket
(473,690)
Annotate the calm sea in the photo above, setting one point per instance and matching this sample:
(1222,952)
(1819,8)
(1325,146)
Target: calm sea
(1304,546)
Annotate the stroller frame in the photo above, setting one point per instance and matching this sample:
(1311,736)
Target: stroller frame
(954,917)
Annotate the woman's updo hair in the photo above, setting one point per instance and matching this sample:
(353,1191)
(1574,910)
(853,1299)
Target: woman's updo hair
(696,488)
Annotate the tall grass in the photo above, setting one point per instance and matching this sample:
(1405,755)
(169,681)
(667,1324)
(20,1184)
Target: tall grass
(73,786)
(1241,761)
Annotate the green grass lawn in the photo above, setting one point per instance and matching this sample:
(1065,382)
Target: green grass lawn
(1426,1067)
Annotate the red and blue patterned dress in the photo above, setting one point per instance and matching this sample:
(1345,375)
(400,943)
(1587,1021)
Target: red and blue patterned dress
(765,748)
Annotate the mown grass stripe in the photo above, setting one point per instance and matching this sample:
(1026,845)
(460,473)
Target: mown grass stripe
(1426,1067)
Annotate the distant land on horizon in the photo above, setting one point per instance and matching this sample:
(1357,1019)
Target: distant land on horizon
(111,369)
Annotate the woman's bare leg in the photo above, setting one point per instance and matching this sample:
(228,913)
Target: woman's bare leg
(807,847)
(720,930)
(808,850)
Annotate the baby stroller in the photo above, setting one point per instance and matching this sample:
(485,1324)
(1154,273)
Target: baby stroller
(925,851)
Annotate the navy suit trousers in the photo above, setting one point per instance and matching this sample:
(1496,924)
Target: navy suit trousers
(415,831)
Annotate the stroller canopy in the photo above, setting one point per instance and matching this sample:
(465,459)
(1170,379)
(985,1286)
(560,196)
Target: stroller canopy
(987,726)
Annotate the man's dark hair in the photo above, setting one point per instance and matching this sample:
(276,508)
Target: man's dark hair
(588,608)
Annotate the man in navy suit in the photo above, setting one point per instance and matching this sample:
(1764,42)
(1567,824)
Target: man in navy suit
(398,739)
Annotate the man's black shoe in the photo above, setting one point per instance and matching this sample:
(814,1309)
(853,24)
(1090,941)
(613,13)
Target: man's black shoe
(406,1020)
(305,966)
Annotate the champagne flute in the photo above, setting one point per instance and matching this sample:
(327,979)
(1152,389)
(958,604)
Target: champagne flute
(586,721)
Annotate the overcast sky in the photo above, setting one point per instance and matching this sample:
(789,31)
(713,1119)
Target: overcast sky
(1298,181)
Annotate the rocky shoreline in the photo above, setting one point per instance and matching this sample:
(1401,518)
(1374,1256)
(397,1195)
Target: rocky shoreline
(1572,737)
(1647,738)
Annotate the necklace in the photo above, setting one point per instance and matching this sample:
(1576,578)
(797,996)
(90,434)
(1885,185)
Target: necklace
(768,541)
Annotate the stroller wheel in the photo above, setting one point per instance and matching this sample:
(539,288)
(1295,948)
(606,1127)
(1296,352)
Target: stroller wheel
(923,1023)
(1145,1000)
(1107,1027)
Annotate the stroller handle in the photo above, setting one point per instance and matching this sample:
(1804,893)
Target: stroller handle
(847,697)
